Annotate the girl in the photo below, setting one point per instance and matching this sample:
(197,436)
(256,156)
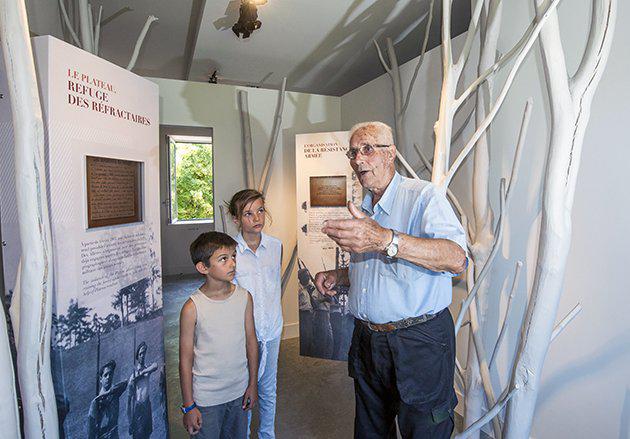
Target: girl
(259,259)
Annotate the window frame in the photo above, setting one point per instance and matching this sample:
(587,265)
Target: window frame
(186,135)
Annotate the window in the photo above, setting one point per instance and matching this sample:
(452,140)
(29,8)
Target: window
(191,188)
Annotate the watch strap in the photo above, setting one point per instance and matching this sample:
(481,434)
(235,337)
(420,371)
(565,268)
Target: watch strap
(189,408)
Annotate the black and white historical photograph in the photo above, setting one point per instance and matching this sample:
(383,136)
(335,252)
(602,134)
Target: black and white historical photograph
(110,379)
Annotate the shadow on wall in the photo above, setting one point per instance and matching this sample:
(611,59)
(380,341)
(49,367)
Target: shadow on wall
(609,354)
(338,47)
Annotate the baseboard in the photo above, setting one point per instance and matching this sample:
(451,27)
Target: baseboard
(290,330)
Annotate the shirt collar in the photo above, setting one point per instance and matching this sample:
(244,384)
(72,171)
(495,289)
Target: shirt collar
(242,245)
(386,203)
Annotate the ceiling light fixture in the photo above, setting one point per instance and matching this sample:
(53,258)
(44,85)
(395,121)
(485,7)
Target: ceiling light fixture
(248,20)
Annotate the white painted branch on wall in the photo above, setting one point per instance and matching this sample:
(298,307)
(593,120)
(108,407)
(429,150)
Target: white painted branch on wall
(502,332)
(401,101)
(138,46)
(565,321)
(36,388)
(66,21)
(246,139)
(273,139)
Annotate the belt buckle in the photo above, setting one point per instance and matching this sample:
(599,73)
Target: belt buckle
(381,327)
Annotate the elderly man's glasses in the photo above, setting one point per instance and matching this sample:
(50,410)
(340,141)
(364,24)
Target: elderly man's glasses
(367,150)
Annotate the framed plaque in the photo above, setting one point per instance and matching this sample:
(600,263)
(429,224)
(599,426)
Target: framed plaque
(328,191)
(114,194)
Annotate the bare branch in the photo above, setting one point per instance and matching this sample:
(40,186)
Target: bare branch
(382,59)
(519,146)
(480,352)
(223,218)
(97,31)
(463,126)
(498,234)
(143,34)
(116,15)
(277,123)
(497,105)
(423,50)
(66,21)
(91,25)
(406,165)
(494,411)
(470,35)
(496,66)
(517,272)
(482,360)
(447,46)
(84,25)
(600,29)
(246,139)
(565,321)
(451,196)
(459,370)
(287,271)
(425,161)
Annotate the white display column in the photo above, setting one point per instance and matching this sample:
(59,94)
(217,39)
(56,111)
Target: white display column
(325,183)
(102,126)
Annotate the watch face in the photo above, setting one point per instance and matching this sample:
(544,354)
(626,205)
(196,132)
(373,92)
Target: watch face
(392,250)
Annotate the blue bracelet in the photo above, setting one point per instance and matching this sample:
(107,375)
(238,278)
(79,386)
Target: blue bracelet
(189,408)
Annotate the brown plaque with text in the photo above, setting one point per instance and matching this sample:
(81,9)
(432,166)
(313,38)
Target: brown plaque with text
(113,191)
(328,191)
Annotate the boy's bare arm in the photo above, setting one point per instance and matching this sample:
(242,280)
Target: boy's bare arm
(187,320)
(251,394)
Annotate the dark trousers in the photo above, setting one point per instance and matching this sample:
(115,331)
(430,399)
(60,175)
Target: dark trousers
(406,373)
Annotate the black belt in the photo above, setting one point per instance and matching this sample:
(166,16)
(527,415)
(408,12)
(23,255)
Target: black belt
(399,324)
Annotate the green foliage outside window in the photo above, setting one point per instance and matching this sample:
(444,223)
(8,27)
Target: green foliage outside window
(192,195)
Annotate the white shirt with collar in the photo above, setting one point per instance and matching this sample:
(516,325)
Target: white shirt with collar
(259,273)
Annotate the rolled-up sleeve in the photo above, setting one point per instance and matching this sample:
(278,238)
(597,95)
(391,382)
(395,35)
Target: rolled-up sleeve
(436,219)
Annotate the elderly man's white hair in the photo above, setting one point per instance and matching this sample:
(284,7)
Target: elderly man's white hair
(380,127)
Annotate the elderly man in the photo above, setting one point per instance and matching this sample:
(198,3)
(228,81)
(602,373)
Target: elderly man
(406,243)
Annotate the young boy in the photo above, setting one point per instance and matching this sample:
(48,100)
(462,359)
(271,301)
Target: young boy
(218,351)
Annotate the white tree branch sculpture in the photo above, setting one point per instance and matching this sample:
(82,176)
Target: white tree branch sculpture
(89,36)
(36,388)
(570,102)
(401,101)
(263,184)
(246,139)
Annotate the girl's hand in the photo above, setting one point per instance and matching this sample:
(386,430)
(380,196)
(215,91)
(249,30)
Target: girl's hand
(250,398)
(192,421)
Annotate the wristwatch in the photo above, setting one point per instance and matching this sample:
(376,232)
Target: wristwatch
(187,409)
(392,248)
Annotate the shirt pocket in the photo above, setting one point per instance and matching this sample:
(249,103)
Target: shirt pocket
(404,271)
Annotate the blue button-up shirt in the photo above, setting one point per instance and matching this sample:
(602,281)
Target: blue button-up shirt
(259,273)
(385,290)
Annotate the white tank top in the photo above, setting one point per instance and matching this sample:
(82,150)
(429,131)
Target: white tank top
(220,357)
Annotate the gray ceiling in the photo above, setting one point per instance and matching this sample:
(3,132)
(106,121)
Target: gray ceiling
(322,46)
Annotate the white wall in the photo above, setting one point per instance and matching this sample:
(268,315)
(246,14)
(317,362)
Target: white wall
(216,106)
(585,388)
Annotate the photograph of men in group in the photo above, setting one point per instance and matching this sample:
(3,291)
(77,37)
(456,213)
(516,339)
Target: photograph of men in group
(405,245)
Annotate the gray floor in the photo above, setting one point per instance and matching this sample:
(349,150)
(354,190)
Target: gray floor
(315,397)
